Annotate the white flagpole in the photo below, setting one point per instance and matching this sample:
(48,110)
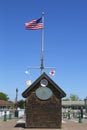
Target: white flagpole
(42,51)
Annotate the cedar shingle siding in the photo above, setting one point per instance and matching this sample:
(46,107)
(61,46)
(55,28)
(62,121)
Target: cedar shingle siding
(43,113)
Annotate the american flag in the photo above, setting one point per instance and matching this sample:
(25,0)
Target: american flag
(34,24)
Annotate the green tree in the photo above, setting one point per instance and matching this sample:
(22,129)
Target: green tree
(74,97)
(21,104)
(4,96)
(66,99)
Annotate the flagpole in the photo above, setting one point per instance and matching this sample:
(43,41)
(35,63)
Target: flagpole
(42,48)
(42,67)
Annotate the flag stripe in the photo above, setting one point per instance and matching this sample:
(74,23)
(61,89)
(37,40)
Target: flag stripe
(35,27)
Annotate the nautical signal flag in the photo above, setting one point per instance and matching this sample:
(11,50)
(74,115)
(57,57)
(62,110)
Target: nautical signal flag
(52,73)
(34,24)
(26,72)
(28,82)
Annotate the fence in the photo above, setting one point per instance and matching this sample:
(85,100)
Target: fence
(72,113)
(13,113)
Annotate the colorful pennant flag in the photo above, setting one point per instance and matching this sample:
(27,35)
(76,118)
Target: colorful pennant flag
(34,24)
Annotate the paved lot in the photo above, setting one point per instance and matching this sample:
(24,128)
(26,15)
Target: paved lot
(18,124)
(74,124)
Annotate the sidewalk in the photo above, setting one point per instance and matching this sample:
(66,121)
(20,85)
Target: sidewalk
(18,124)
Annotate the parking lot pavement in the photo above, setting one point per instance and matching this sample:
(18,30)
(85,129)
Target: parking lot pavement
(74,124)
(7,125)
(19,124)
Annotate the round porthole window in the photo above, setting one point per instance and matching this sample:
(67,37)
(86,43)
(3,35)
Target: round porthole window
(43,93)
(44,83)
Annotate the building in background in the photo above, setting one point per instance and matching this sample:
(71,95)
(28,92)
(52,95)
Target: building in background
(5,104)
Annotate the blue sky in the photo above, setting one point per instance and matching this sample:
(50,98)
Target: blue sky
(65,44)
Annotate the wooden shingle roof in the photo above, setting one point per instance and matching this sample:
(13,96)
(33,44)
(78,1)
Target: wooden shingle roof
(28,91)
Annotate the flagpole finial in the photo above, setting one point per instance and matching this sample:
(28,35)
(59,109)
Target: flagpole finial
(42,13)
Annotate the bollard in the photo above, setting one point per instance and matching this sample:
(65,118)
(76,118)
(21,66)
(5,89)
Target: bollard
(5,116)
(16,113)
(80,118)
(68,114)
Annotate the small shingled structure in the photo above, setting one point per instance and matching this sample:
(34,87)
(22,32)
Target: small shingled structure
(43,103)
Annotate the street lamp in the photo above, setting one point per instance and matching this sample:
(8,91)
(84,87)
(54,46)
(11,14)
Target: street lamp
(85,105)
(16,99)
